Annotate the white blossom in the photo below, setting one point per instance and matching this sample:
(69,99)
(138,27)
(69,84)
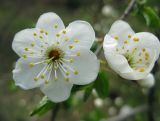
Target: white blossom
(131,55)
(55,58)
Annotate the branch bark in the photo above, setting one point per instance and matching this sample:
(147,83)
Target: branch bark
(55,112)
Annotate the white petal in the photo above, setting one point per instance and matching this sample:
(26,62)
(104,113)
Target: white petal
(87,66)
(147,40)
(120,30)
(117,62)
(23,74)
(57,91)
(82,32)
(51,23)
(148,81)
(26,39)
(109,43)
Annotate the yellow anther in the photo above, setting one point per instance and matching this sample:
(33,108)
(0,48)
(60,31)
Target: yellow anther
(67,73)
(78,53)
(55,78)
(71,60)
(136,39)
(76,41)
(57,35)
(140,60)
(76,72)
(141,69)
(42,76)
(122,47)
(64,32)
(34,34)
(147,54)
(129,36)
(117,49)
(66,39)
(46,81)
(125,42)
(46,42)
(40,37)
(26,49)
(24,56)
(32,44)
(67,79)
(55,26)
(31,52)
(42,46)
(31,65)
(70,46)
(143,49)
(41,31)
(146,58)
(116,38)
(57,43)
(46,33)
(35,79)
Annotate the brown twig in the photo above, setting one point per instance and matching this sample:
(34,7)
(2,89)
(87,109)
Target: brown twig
(55,112)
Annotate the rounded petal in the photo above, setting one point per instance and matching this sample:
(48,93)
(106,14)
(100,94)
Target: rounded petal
(80,34)
(23,74)
(121,31)
(86,67)
(117,62)
(51,23)
(57,91)
(147,40)
(148,81)
(109,43)
(27,41)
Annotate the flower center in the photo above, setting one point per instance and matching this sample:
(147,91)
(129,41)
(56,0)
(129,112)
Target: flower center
(55,54)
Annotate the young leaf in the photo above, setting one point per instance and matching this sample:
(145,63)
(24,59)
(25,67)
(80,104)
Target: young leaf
(44,106)
(87,93)
(151,17)
(101,84)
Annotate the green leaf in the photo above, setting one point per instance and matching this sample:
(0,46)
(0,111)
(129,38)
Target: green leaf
(87,93)
(44,106)
(151,17)
(101,84)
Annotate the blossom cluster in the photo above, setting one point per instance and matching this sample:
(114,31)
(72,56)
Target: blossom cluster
(54,57)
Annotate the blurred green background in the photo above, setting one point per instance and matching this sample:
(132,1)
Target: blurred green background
(123,96)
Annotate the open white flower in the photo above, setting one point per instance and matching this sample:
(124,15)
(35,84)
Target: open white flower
(54,58)
(131,55)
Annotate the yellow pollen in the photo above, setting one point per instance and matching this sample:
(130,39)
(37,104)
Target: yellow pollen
(26,49)
(35,79)
(67,79)
(31,52)
(64,32)
(55,26)
(40,37)
(76,41)
(117,49)
(143,49)
(66,39)
(57,43)
(136,39)
(146,58)
(67,73)
(46,81)
(34,34)
(46,33)
(147,54)
(32,44)
(70,46)
(140,60)
(41,31)
(78,53)
(116,38)
(24,56)
(122,47)
(55,78)
(129,36)
(57,35)
(31,65)
(125,42)
(42,76)
(46,42)
(71,60)
(76,72)
(141,69)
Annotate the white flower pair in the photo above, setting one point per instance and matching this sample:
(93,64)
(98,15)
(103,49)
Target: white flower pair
(55,58)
